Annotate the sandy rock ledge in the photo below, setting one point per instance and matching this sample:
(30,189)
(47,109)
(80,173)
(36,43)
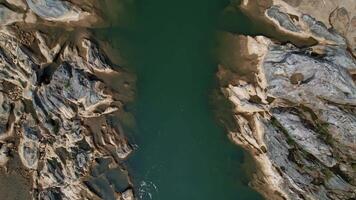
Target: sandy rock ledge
(295,107)
(58,117)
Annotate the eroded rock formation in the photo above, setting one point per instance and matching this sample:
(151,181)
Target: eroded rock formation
(70,13)
(58,117)
(294,107)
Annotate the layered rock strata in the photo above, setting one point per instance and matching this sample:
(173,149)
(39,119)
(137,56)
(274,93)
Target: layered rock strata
(294,107)
(59,119)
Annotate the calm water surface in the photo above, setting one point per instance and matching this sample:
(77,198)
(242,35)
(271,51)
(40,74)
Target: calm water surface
(183,153)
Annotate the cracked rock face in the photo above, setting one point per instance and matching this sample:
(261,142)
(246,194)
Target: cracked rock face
(58,117)
(295,107)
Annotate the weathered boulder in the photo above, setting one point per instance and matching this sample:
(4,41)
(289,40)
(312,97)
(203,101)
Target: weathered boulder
(127,195)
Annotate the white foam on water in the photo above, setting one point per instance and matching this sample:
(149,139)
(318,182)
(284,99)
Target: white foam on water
(147,189)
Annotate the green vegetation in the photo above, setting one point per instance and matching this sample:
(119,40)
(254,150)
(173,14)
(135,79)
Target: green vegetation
(328,174)
(323,130)
(320,127)
(353,165)
(67,84)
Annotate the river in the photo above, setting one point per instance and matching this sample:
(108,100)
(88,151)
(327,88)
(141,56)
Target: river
(183,153)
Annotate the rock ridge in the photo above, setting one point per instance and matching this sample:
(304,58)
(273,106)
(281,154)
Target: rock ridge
(59,119)
(294,107)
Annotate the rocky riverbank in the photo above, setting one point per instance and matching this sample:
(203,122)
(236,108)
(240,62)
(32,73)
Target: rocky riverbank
(59,119)
(294,104)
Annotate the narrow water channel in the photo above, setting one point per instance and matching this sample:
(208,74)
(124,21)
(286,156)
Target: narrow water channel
(183,153)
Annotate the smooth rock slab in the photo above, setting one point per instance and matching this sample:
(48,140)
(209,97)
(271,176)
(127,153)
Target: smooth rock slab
(54,10)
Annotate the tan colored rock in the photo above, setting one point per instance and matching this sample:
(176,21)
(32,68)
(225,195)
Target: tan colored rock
(336,14)
(18,3)
(8,16)
(48,53)
(298,156)
(4,157)
(30,17)
(49,89)
(127,195)
(333,13)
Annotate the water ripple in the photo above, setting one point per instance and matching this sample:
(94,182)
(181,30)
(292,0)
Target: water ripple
(147,189)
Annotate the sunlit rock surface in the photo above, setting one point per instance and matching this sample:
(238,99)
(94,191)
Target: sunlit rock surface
(75,13)
(55,10)
(294,107)
(58,117)
(327,21)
